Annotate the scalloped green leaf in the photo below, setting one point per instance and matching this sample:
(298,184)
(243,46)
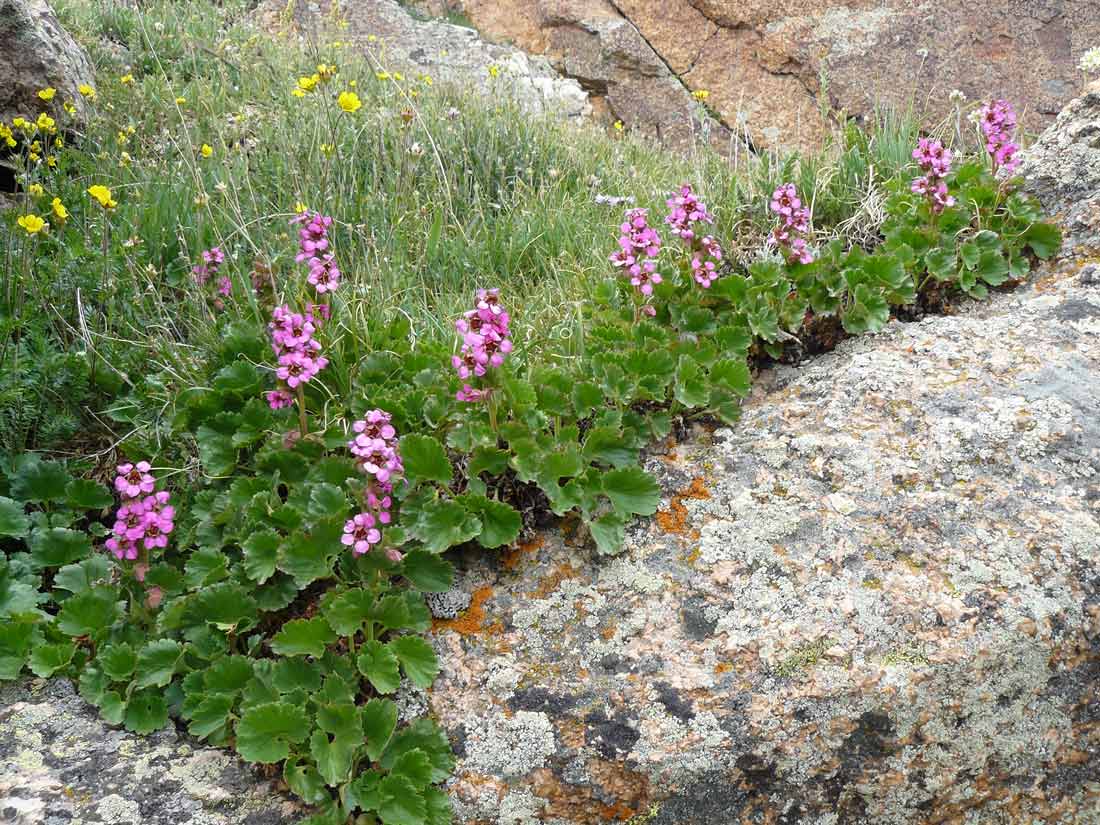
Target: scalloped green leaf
(261,552)
(47,659)
(76,578)
(58,546)
(88,495)
(146,711)
(327,501)
(13,521)
(157,662)
(303,637)
(89,613)
(632,490)
(425,459)
(379,664)
(379,722)
(117,661)
(426,735)
(427,571)
(444,524)
(40,481)
(402,803)
(266,732)
(216,451)
(417,659)
(500,523)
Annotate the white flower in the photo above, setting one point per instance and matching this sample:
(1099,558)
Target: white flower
(957,96)
(1090,60)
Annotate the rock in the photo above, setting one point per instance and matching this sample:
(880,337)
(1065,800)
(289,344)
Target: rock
(772,67)
(61,763)
(1062,168)
(35,53)
(446,52)
(875,600)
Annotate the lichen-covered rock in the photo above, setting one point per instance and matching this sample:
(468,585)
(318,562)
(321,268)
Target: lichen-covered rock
(60,764)
(398,41)
(875,601)
(35,53)
(1062,169)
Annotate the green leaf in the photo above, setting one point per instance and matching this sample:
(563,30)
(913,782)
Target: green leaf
(732,374)
(439,807)
(327,501)
(303,637)
(204,568)
(941,264)
(157,662)
(415,766)
(117,661)
(289,675)
(868,313)
(146,711)
(487,460)
(379,664)
(266,732)
(228,674)
(88,495)
(609,532)
(76,578)
(425,459)
(691,386)
(309,556)
(365,792)
(587,397)
(13,521)
(227,606)
(261,550)
(112,707)
(1045,239)
(379,723)
(347,612)
(424,734)
(993,268)
(17,595)
(240,377)
(334,756)
(427,571)
(47,659)
(211,715)
(608,446)
(58,546)
(305,781)
(216,451)
(632,490)
(417,659)
(256,419)
(444,524)
(500,522)
(40,481)
(89,613)
(92,684)
(402,803)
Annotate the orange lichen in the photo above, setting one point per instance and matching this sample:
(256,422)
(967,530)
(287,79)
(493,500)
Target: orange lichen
(582,804)
(512,557)
(723,667)
(550,583)
(674,519)
(473,620)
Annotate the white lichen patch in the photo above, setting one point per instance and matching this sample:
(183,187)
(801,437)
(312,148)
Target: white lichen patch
(510,746)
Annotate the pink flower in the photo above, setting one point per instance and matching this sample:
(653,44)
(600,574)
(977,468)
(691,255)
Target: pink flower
(134,479)
(703,273)
(376,424)
(686,210)
(789,235)
(298,368)
(360,533)
(323,274)
(470,395)
(935,161)
(485,336)
(225,287)
(279,399)
(313,236)
(639,244)
(998,124)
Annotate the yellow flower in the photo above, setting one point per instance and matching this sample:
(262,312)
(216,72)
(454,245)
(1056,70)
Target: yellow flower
(494,70)
(618,125)
(58,143)
(426,79)
(31,223)
(398,76)
(126,80)
(36,190)
(122,138)
(59,210)
(382,75)
(353,83)
(297,92)
(51,161)
(371,38)
(46,123)
(124,159)
(102,194)
(207,150)
(349,102)
(69,107)
(300,207)
(33,157)
(20,123)
(180,101)
(325,72)
(86,91)
(7,136)
(327,148)
(47,93)
(700,94)
(308,84)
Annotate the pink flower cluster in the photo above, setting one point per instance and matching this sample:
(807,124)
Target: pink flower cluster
(313,246)
(297,352)
(639,245)
(485,342)
(145,518)
(212,259)
(790,234)
(935,161)
(685,211)
(998,122)
(375,447)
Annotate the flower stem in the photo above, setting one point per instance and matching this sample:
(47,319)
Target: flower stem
(303,427)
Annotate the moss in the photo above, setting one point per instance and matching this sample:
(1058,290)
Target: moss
(803,658)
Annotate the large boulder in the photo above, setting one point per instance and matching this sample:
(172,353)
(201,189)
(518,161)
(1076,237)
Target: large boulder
(875,601)
(399,41)
(774,67)
(36,53)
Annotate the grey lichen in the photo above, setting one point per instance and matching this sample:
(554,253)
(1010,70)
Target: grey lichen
(510,746)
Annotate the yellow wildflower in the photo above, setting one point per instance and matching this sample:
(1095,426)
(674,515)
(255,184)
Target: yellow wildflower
(349,102)
(494,70)
(353,83)
(69,107)
(325,72)
(700,94)
(58,143)
(47,93)
(180,101)
(86,91)
(207,150)
(46,123)
(371,38)
(382,75)
(297,92)
(51,161)
(102,194)
(36,190)
(618,125)
(327,148)
(33,157)
(300,207)
(308,84)
(124,159)
(426,79)
(59,210)
(31,223)
(122,138)
(126,80)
